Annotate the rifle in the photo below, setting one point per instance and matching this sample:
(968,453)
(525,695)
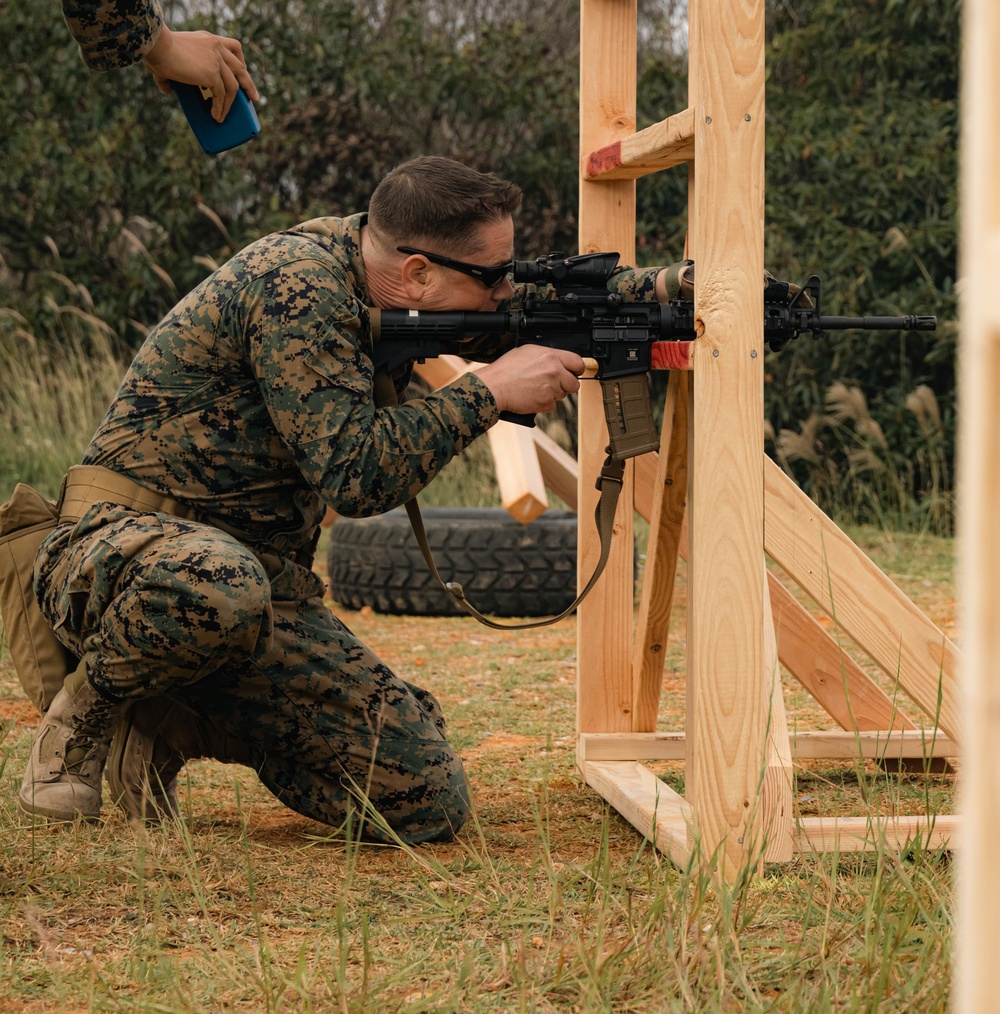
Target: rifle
(621,337)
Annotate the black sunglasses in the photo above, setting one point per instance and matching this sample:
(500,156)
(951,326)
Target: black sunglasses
(492,278)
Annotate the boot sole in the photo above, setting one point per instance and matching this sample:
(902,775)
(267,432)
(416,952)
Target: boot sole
(30,806)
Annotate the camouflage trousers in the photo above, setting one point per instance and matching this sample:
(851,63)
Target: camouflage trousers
(166,608)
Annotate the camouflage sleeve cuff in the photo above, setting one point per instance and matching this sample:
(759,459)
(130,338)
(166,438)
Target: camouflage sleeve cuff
(639,284)
(113,34)
(472,410)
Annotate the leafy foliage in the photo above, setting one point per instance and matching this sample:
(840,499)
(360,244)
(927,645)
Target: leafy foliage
(108,206)
(861,170)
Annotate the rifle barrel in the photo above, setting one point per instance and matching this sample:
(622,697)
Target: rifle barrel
(910,322)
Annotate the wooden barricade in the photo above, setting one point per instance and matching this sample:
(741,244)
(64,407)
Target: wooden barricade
(713,498)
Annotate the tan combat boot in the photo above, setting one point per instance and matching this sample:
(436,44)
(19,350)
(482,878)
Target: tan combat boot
(152,741)
(142,767)
(63,778)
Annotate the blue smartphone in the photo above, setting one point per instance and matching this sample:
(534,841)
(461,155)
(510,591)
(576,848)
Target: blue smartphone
(240,125)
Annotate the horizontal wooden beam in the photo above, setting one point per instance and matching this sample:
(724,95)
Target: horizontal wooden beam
(667,143)
(630,746)
(863,834)
(665,818)
(914,744)
(806,745)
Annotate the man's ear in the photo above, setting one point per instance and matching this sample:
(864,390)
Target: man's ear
(417,275)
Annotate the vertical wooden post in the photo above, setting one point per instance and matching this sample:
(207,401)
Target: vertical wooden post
(607,222)
(726,705)
(979,485)
(666,528)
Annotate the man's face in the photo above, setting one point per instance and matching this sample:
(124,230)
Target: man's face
(454,290)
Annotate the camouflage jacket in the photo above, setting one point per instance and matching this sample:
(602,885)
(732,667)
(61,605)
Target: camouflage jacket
(113,33)
(252,399)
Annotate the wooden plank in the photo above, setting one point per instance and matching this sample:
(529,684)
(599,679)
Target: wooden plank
(678,355)
(559,469)
(441,371)
(545,464)
(916,744)
(633,746)
(518,472)
(660,146)
(884,623)
(988,308)
(979,480)
(726,707)
(776,790)
(648,804)
(663,548)
(607,222)
(862,834)
(849,695)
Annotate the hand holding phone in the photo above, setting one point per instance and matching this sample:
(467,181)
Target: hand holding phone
(240,125)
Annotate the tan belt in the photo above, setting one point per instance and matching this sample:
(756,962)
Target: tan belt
(86,485)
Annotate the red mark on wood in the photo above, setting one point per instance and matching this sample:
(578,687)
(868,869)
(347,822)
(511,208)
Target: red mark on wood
(604,158)
(670,355)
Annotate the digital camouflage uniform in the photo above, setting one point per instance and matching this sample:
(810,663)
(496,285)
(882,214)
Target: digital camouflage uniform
(113,33)
(252,403)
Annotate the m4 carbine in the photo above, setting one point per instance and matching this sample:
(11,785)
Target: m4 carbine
(622,337)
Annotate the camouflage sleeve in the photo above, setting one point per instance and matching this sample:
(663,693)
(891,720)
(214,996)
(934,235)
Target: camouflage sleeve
(310,346)
(637,285)
(113,33)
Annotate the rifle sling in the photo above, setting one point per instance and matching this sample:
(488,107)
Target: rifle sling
(609,484)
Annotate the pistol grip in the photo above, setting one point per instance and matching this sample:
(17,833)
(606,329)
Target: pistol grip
(522,419)
(629,415)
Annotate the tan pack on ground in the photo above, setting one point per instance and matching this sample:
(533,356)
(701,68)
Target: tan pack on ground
(40,661)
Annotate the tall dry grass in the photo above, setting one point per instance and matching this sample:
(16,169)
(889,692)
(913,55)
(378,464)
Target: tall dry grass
(856,476)
(56,389)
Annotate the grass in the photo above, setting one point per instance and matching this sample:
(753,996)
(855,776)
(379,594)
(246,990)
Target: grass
(549,901)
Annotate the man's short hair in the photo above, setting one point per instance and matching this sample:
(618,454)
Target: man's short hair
(435,201)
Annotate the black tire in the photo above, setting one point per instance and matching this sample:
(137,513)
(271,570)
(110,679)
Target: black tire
(505,568)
